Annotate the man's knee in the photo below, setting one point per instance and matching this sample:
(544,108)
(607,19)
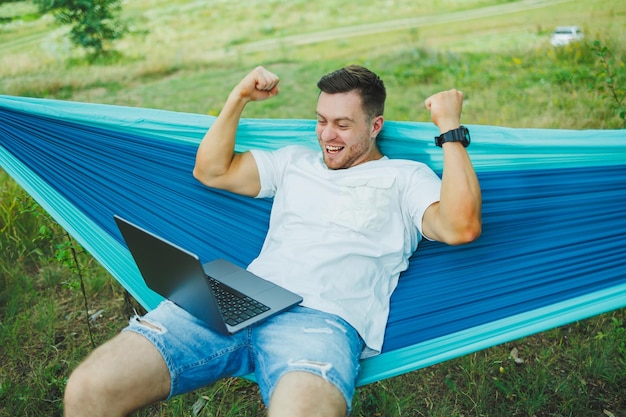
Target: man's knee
(306,394)
(103,383)
(77,386)
(83,386)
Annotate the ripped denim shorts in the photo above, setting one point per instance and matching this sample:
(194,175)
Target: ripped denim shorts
(301,339)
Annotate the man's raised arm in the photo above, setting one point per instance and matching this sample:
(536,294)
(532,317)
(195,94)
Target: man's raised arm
(456,218)
(217,163)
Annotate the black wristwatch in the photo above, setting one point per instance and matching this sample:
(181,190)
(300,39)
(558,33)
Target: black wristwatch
(455,135)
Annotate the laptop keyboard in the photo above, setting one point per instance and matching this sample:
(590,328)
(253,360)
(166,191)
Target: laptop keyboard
(235,307)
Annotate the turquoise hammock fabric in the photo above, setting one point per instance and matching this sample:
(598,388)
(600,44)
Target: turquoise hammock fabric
(552,249)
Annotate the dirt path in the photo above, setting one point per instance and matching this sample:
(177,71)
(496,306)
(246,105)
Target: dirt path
(338,33)
(381,27)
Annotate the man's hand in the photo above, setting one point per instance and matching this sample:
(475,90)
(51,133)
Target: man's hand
(259,84)
(445,109)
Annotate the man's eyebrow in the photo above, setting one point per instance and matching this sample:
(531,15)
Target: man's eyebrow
(339,119)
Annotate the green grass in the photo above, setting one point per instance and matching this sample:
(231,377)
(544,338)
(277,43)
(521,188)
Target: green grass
(185,56)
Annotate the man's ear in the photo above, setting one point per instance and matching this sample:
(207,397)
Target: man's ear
(377,126)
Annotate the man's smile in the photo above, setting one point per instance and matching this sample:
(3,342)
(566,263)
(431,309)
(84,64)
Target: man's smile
(333,149)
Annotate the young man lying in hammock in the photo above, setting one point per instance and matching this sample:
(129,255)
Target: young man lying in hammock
(344,223)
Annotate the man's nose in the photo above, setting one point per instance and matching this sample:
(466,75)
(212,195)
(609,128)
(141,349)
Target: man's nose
(327,133)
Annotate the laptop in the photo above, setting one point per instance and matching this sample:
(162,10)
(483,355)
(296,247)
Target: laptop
(226,297)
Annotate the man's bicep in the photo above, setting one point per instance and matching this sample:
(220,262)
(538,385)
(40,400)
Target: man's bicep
(422,198)
(246,179)
(241,178)
(429,222)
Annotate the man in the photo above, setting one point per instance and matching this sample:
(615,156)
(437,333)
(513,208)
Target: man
(343,224)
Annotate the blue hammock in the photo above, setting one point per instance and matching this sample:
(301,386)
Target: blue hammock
(554,217)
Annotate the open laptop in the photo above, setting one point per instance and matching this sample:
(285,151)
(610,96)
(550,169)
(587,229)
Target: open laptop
(213,292)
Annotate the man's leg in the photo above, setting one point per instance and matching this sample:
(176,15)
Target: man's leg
(119,377)
(307,363)
(315,397)
(166,352)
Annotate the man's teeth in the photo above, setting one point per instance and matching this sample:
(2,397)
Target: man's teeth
(333,148)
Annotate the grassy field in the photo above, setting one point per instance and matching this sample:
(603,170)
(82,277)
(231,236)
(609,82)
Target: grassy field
(185,56)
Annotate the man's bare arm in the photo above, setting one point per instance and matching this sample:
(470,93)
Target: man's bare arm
(217,163)
(456,218)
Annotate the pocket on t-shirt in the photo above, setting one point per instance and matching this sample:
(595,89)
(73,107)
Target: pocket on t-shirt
(363,204)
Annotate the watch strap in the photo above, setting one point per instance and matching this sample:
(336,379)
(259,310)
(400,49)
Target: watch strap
(460,134)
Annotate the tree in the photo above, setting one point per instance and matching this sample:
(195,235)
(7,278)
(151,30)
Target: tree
(95,23)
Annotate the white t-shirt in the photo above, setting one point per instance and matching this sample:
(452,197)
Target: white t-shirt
(341,238)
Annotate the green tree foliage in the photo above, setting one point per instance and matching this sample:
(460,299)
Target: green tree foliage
(95,23)
(611,72)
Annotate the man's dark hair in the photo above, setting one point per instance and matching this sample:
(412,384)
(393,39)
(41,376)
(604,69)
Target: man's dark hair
(357,78)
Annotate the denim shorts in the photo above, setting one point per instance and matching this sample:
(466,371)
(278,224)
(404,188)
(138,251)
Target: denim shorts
(300,339)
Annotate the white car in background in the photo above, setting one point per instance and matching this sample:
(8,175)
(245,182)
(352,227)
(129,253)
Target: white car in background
(564,35)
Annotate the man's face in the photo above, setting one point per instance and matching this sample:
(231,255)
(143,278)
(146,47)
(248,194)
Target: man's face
(345,133)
